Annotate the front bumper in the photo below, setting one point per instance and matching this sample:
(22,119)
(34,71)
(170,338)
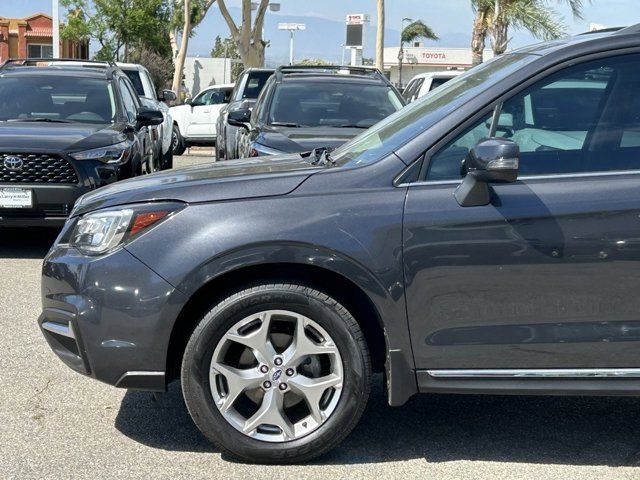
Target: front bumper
(53,202)
(108,317)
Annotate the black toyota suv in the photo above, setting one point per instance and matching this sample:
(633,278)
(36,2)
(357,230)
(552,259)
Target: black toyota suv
(65,130)
(306,107)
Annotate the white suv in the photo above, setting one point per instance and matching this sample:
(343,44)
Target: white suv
(194,124)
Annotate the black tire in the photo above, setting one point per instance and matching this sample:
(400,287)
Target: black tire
(219,152)
(324,310)
(177,142)
(167,160)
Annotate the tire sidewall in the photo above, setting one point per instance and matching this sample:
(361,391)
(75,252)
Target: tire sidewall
(197,359)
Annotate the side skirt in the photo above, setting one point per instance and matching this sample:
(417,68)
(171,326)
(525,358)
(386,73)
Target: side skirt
(597,381)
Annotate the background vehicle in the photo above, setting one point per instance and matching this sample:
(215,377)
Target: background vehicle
(146,90)
(194,123)
(423,83)
(245,92)
(65,130)
(302,108)
(482,240)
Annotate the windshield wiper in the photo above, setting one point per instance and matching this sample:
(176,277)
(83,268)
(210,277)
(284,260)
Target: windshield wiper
(39,119)
(322,156)
(348,125)
(285,124)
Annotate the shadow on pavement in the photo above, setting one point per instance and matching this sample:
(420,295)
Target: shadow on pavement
(437,428)
(26,242)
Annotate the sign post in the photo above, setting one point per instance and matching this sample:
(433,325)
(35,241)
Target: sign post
(56,28)
(356,23)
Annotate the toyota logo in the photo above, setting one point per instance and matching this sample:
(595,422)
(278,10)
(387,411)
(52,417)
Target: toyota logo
(13,163)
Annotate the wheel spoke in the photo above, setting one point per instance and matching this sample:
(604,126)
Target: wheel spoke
(271,412)
(238,381)
(258,341)
(312,389)
(302,346)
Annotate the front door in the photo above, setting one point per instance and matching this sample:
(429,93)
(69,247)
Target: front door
(205,109)
(548,274)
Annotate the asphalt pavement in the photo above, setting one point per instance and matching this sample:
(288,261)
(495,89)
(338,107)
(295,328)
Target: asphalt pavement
(57,424)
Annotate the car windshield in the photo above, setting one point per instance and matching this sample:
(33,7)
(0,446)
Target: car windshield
(56,99)
(336,104)
(391,133)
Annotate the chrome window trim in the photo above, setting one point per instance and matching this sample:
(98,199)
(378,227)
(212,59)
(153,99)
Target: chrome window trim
(531,177)
(538,373)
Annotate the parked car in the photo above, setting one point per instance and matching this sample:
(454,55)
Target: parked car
(302,108)
(484,239)
(146,90)
(66,130)
(194,124)
(245,92)
(423,83)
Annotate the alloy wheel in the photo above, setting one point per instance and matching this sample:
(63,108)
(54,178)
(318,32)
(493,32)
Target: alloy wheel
(276,376)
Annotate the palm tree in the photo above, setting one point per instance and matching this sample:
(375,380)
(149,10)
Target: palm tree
(410,34)
(380,37)
(494,17)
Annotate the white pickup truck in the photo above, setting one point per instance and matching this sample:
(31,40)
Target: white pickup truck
(423,83)
(194,124)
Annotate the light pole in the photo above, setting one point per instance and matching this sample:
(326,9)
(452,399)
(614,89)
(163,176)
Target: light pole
(401,51)
(55,7)
(291,27)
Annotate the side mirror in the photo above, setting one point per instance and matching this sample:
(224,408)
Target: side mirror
(240,118)
(168,96)
(188,101)
(147,117)
(494,160)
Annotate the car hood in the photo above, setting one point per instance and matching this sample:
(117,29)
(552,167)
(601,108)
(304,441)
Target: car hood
(304,139)
(228,180)
(21,137)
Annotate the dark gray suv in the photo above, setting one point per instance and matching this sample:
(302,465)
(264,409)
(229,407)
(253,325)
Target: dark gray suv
(484,239)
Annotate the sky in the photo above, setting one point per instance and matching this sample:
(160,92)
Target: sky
(451,19)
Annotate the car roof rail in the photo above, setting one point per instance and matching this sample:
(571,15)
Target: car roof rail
(631,29)
(46,62)
(337,69)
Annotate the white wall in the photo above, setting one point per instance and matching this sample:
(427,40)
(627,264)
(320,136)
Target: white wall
(202,72)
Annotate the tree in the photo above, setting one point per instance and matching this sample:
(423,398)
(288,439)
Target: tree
(248,35)
(412,32)
(536,16)
(380,36)
(186,16)
(118,25)
(314,62)
(227,48)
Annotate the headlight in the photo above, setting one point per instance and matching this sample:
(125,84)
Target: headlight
(259,150)
(117,153)
(99,232)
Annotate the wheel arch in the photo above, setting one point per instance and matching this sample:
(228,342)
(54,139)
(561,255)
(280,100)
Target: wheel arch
(344,290)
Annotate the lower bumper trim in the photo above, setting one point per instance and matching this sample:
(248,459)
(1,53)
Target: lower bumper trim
(150,381)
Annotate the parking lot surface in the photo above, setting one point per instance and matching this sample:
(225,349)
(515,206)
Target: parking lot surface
(55,423)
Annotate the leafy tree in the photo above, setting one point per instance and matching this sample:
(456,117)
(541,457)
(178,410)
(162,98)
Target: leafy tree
(411,33)
(227,48)
(536,16)
(314,61)
(118,25)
